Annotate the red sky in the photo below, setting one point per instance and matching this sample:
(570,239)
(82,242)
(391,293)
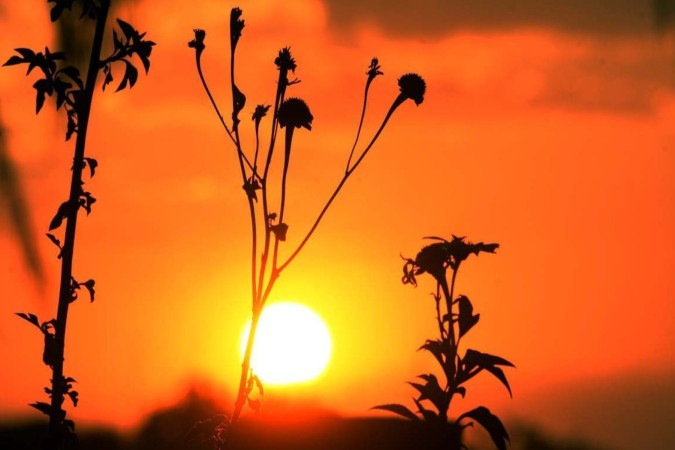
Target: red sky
(549,134)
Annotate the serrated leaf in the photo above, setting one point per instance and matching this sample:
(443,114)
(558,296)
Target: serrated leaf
(397,409)
(32,318)
(491,423)
(43,407)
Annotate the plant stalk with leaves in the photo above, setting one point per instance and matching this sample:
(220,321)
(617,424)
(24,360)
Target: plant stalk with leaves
(269,227)
(454,318)
(75,97)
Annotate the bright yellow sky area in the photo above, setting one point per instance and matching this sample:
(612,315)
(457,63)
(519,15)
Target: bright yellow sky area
(560,146)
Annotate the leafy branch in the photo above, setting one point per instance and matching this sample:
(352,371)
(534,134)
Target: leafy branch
(75,97)
(455,318)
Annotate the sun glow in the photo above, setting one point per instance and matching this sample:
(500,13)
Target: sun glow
(292,344)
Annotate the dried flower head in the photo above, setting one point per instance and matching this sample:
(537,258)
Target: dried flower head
(294,112)
(260,112)
(412,86)
(285,60)
(374,69)
(198,42)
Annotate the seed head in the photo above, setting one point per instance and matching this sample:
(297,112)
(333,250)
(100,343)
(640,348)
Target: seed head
(198,42)
(294,112)
(412,86)
(285,60)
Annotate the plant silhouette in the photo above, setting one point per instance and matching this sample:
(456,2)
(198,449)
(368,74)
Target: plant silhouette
(455,318)
(269,225)
(63,82)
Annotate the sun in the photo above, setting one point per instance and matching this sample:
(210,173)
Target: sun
(292,344)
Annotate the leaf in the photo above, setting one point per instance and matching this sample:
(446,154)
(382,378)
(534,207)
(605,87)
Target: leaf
(43,407)
(43,87)
(64,211)
(74,74)
(89,284)
(28,54)
(93,164)
(466,317)
(474,358)
(14,60)
(258,384)
(86,200)
(108,76)
(436,348)
(128,30)
(250,186)
(499,373)
(428,415)
(491,423)
(32,318)
(279,231)
(130,76)
(73,397)
(432,391)
(397,409)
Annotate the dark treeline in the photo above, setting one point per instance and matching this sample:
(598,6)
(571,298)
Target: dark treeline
(189,425)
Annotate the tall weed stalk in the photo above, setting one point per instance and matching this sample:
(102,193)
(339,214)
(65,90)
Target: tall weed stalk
(269,225)
(74,96)
(454,319)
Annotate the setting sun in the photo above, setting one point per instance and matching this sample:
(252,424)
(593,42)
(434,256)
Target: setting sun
(292,344)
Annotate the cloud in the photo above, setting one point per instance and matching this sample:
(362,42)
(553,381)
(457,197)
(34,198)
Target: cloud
(434,18)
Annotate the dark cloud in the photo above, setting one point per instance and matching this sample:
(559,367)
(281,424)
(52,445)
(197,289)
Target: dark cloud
(432,18)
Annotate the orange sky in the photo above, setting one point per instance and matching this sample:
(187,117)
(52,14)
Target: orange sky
(555,141)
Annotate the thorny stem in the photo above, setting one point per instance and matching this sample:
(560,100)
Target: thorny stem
(84,109)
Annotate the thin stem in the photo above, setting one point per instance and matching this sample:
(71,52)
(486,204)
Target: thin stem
(242,157)
(363,115)
(397,102)
(84,109)
(246,366)
(217,110)
(279,97)
(282,207)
